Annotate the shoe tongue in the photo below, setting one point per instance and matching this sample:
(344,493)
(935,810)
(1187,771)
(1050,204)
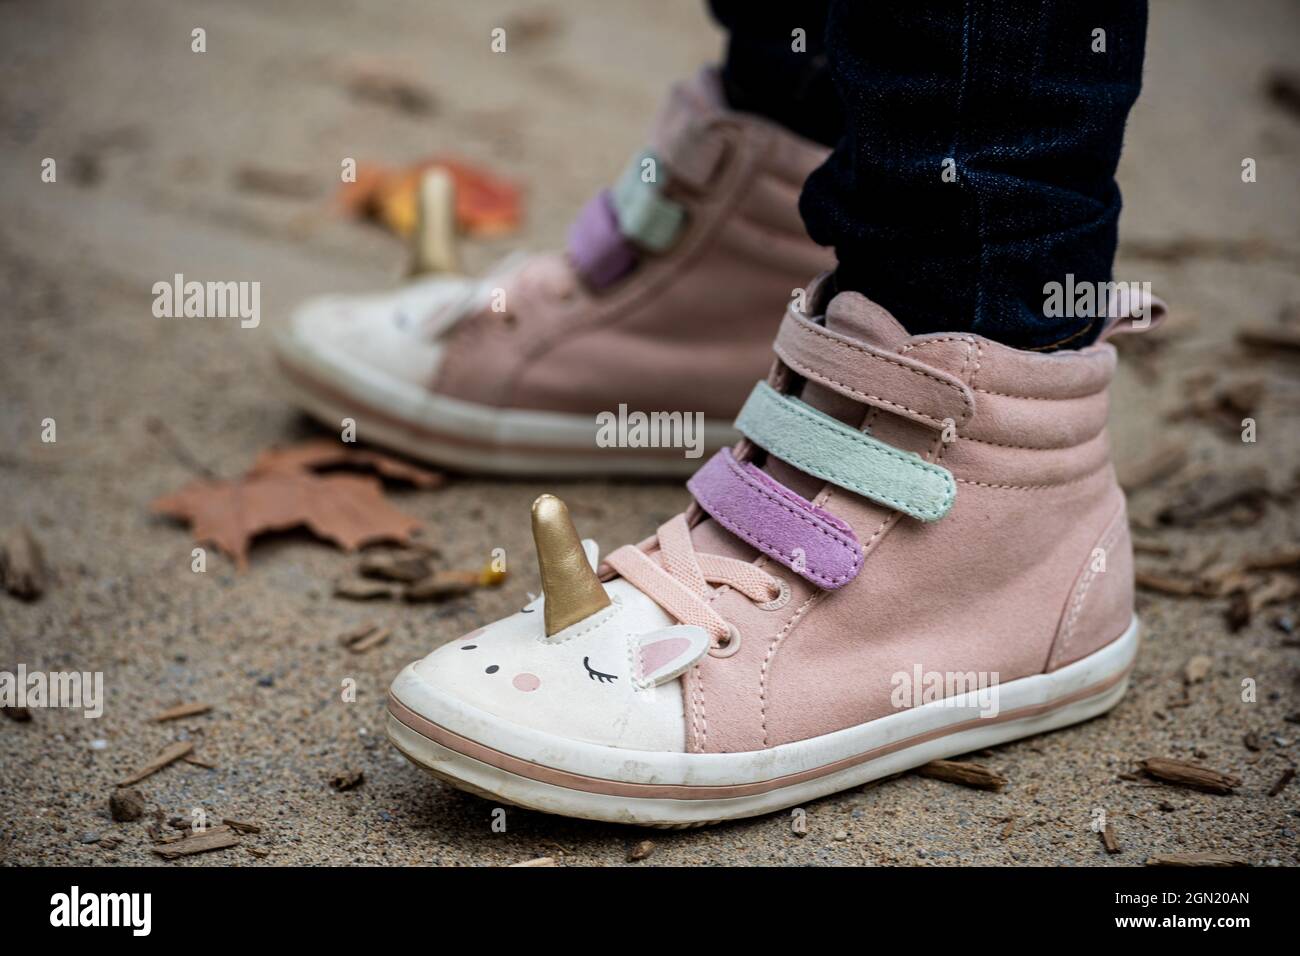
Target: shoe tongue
(689,102)
(854,315)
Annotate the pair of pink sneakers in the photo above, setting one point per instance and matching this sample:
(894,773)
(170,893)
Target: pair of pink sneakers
(905,548)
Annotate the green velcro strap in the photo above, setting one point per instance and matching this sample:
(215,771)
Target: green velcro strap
(815,443)
(645,216)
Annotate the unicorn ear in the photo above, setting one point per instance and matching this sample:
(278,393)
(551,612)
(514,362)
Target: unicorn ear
(669,652)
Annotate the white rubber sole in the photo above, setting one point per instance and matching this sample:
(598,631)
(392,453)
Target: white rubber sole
(467,436)
(518,765)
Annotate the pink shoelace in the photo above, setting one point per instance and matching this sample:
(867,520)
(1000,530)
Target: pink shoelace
(678,578)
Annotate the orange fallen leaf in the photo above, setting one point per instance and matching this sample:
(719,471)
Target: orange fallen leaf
(325,453)
(486,204)
(283,490)
(349,510)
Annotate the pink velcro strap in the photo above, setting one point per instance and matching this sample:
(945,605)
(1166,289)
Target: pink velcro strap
(873,376)
(693,155)
(786,527)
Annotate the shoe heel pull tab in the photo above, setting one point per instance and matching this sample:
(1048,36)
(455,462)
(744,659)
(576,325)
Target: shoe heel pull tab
(1140,312)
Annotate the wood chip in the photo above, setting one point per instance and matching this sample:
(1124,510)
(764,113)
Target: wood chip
(171,753)
(1251,740)
(640,851)
(1237,615)
(1197,669)
(1007,828)
(1152,547)
(1280,560)
(1186,774)
(442,585)
(240,826)
(1159,465)
(1164,584)
(182,710)
(364,589)
(258,852)
(22,565)
(967,774)
(540,861)
(1287,776)
(19,715)
(156,832)
(213,838)
(1196,859)
(365,637)
(1109,840)
(1250,597)
(198,761)
(404,567)
(1273,338)
(1239,497)
(347,779)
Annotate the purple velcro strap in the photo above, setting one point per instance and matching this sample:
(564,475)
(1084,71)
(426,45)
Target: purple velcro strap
(599,252)
(787,527)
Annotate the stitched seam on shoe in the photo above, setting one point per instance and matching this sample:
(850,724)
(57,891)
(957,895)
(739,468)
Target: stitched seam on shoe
(998,444)
(1069,338)
(1081,590)
(704,716)
(1056,484)
(1040,398)
(795,618)
(605,617)
(820,377)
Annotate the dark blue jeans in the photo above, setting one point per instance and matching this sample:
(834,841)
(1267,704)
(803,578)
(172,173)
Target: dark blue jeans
(975,147)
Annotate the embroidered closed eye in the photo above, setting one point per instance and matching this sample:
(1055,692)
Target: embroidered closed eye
(596,675)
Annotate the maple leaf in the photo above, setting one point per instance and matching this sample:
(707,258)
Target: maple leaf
(282,491)
(323,453)
(486,205)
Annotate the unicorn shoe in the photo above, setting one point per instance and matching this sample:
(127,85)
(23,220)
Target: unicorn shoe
(918,550)
(628,353)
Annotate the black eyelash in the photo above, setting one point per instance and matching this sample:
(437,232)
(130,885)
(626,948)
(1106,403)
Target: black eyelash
(596,675)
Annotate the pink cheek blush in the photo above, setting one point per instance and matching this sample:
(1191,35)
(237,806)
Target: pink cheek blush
(527,682)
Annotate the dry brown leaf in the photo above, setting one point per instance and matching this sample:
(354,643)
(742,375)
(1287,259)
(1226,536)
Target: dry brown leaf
(349,510)
(325,454)
(283,490)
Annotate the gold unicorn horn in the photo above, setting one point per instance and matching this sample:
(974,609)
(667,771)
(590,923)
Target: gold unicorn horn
(573,592)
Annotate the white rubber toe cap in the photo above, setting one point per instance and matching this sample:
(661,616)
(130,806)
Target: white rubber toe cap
(354,338)
(578,684)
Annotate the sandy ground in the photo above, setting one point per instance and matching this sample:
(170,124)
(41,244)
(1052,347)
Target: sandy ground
(149,138)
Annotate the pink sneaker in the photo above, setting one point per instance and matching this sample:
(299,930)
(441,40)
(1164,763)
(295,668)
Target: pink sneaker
(657,308)
(919,550)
